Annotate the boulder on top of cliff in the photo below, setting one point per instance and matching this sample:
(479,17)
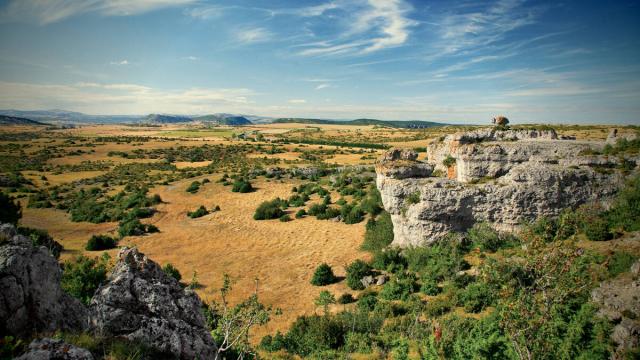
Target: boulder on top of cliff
(50,349)
(402,164)
(31,299)
(500,121)
(141,303)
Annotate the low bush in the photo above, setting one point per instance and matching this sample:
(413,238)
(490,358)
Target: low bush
(430,287)
(598,230)
(476,297)
(199,212)
(449,161)
(171,270)
(242,186)
(300,214)
(379,233)
(314,334)
(483,236)
(355,272)
(100,242)
(346,298)
(399,287)
(133,227)
(193,187)
(82,276)
(323,275)
(367,302)
(620,262)
(284,218)
(269,210)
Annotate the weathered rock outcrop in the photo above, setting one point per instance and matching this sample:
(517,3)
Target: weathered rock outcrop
(505,178)
(31,299)
(53,349)
(141,303)
(619,301)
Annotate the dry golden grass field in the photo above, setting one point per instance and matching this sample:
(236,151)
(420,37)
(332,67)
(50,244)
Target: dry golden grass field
(281,255)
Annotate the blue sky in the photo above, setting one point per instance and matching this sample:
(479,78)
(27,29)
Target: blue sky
(455,61)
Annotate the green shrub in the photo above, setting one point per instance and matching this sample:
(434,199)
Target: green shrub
(193,187)
(242,186)
(476,297)
(133,227)
(284,218)
(172,271)
(430,287)
(379,233)
(100,242)
(399,287)
(300,214)
(82,276)
(483,236)
(346,298)
(598,230)
(269,210)
(390,259)
(323,275)
(351,214)
(367,302)
(313,334)
(439,305)
(10,211)
(199,212)
(620,262)
(449,161)
(355,272)
(439,261)
(273,343)
(357,343)
(412,198)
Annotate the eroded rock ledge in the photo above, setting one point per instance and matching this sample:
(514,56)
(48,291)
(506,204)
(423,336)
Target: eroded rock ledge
(505,178)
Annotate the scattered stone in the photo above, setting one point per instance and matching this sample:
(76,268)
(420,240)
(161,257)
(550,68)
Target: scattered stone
(618,302)
(381,279)
(367,281)
(31,299)
(54,349)
(141,303)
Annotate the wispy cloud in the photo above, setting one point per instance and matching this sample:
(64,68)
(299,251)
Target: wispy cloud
(322,86)
(297,101)
(205,12)
(191,58)
(51,11)
(120,63)
(253,35)
(373,26)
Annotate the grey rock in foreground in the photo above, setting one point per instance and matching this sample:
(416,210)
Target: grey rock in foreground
(52,349)
(505,178)
(618,300)
(141,303)
(31,299)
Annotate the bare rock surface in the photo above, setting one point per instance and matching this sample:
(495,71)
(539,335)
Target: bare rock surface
(505,178)
(54,349)
(618,300)
(141,303)
(31,299)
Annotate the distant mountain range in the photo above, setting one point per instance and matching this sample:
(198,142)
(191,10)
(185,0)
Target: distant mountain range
(63,116)
(409,124)
(13,120)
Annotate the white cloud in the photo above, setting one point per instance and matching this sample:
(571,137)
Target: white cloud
(191,58)
(308,11)
(116,98)
(297,101)
(120,63)
(205,12)
(322,86)
(253,35)
(51,11)
(373,26)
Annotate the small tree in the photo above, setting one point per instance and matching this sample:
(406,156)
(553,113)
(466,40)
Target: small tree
(171,270)
(230,326)
(355,272)
(325,299)
(323,275)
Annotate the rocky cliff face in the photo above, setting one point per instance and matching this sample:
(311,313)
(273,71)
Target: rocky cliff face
(505,178)
(141,303)
(31,299)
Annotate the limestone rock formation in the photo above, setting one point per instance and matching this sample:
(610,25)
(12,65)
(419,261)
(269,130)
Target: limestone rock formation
(141,303)
(504,177)
(31,299)
(48,349)
(618,301)
(500,121)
